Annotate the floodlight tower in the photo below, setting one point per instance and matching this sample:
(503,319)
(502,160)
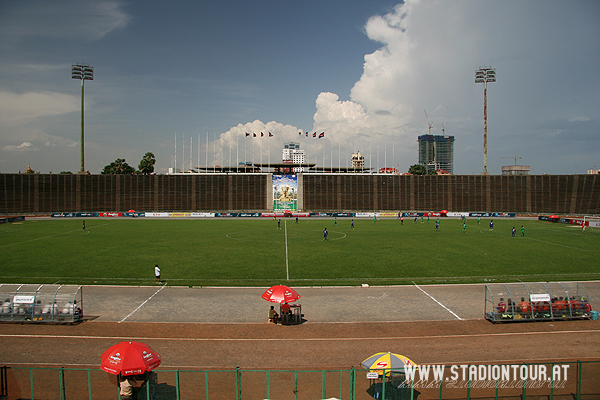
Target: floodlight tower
(82,72)
(485,75)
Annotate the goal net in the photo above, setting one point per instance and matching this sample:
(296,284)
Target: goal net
(590,221)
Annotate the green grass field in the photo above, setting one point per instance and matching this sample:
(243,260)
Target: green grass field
(253,252)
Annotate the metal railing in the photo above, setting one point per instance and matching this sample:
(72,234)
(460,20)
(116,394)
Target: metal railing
(578,380)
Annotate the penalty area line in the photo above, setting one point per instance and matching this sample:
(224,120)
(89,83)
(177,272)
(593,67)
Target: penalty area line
(443,306)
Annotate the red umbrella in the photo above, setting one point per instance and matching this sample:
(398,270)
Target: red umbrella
(553,216)
(280,294)
(129,358)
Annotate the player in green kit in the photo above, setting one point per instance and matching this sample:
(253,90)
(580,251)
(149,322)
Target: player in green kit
(478,220)
(464,227)
(522,231)
(335,222)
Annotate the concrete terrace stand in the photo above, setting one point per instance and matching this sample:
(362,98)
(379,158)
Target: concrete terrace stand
(41,303)
(536,301)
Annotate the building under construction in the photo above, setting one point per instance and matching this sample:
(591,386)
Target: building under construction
(437,152)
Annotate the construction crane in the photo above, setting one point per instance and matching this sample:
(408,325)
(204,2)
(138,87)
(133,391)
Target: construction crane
(428,123)
(515,157)
(445,120)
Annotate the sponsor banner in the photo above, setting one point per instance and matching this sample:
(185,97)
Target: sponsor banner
(411,214)
(249,214)
(342,214)
(291,214)
(134,214)
(62,215)
(21,299)
(434,214)
(458,214)
(387,215)
(539,297)
(360,215)
(11,219)
(203,215)
(323,214)
(156,214)
(110,214)
(87,215)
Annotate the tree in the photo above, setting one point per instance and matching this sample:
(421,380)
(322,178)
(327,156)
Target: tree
(417,169)
(119,166)
(432,172)
(146,166)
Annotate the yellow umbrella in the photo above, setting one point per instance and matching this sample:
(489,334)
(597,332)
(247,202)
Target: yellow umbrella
(390,362)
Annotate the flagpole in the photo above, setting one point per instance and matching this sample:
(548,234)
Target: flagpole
(215,151)
(175,169)
(191,148)
(198,168)
(206,153)
(183,154)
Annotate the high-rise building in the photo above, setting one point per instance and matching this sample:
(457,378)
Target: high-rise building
(293,155)
(357,161)
(437,152)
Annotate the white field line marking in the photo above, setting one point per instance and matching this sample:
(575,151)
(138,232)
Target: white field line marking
(561,245)
(287,264)
(46,237)
(432,298)
(141,305)
(274,339)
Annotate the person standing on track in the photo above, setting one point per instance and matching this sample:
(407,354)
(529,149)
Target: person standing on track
(157,273)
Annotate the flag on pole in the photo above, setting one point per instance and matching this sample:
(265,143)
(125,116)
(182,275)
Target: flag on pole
(300,133)
(254,134)
(270,134)
(315,134)
(247,134)
(306,134)
(321,135)
(262,134)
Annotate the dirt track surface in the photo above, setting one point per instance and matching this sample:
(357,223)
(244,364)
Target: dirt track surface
(307,346)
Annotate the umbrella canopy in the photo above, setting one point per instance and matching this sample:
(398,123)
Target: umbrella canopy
(553,216)
(391,362)
(129,358)
(280,294)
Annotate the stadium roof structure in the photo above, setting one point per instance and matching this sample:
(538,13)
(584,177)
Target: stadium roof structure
(277,168)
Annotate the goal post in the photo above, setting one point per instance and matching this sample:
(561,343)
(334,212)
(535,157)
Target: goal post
(590,221)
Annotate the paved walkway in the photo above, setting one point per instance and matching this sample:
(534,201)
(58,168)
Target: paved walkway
(162,303)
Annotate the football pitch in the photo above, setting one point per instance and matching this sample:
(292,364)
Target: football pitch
(254,252)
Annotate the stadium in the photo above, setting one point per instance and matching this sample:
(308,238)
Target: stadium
(384,280)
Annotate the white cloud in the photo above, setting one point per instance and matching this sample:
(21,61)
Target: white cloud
(17,107)
(25,146)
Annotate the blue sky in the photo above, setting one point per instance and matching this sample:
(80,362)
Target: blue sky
(363,72)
